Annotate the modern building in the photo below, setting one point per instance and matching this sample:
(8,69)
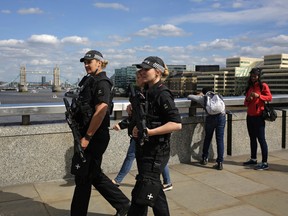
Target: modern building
(275,73)
(124,76)
(230,80)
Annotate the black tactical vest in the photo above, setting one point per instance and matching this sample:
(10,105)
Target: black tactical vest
(84,106)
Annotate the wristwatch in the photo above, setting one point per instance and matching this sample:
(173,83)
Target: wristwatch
(88,137)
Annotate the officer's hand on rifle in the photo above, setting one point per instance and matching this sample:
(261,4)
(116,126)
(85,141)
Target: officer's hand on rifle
(129,110)
(135,132)
(84,143)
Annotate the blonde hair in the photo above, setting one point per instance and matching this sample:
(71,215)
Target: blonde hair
(165,74)
(104,63)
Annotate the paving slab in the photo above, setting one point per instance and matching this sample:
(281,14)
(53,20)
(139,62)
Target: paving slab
(197,190)
(230,183)
(25,207)
(238,211)
(274,202)
(198,197)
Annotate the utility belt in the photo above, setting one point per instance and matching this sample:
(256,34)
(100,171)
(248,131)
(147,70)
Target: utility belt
(159,139)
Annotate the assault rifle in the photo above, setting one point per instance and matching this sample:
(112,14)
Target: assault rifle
(74,128)
(137,100)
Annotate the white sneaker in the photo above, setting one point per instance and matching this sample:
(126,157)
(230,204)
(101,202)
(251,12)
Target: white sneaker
(167,187)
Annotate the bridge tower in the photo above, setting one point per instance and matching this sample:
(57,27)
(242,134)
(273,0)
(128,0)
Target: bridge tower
(23,85)
(56,80)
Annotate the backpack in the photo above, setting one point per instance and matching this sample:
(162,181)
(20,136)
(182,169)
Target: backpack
(213,103)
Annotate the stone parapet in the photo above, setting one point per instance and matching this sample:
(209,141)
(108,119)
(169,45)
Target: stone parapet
(43,152)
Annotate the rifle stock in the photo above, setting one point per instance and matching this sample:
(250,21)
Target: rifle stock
(74,128)
(139,113)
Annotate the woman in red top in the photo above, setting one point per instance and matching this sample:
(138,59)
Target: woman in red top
(256,94)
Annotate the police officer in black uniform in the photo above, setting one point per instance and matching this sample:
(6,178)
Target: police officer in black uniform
(93,106)
(153,153)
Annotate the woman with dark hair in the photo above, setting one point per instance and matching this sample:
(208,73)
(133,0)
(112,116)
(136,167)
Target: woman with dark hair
(256,94)
(213,123)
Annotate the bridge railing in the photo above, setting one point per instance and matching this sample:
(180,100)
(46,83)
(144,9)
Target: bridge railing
(45,150)
(185,106)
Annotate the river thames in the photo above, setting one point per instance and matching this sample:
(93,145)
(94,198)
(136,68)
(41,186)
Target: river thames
(34,96)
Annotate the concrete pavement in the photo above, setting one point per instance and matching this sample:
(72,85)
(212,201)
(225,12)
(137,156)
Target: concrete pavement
(197,190)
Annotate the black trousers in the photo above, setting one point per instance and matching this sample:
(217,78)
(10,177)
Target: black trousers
(151,159)
(97,178)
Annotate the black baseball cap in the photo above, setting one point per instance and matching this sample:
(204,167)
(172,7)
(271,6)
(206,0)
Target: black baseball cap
(256,71)
(152,62)
(92,54)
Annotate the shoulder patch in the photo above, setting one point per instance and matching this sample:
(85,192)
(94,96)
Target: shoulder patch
(166,105)
(100,92)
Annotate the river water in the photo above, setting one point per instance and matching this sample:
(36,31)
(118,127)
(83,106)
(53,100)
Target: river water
(34,96)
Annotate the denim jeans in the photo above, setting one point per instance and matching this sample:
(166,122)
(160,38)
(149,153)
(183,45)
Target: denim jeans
(128,161)
(256,130)
(166,175)
(212,123)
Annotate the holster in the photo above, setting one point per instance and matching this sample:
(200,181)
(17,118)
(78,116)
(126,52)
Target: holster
(78,167)
(146,191)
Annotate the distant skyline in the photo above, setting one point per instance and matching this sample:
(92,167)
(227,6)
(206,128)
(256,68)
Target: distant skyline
(41,34)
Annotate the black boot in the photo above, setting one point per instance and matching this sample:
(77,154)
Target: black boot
(204,161)
(218,166)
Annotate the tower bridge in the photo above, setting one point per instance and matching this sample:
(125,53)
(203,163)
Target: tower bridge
(23,81)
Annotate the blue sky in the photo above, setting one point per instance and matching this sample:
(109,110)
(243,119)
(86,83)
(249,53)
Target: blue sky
(41,34)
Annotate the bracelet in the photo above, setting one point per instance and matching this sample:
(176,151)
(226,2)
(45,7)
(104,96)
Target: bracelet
(88,137)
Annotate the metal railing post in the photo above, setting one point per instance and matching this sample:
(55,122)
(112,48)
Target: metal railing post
(284,112)
(25,119)
(229,134)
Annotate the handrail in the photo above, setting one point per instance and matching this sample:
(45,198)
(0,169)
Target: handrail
(25,110)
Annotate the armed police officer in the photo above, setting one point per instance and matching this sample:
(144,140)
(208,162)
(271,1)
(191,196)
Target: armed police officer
(153,141)
(92,108)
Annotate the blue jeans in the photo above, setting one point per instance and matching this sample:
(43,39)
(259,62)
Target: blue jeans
(166,175)
(256,130)
(212,123)
(128,161)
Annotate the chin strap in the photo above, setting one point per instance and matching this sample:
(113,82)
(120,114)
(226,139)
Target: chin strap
(95,72)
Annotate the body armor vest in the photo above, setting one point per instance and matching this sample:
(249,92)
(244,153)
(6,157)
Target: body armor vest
(83,106)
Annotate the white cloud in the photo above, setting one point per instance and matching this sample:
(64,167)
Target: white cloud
(265,11)
(113,40)
(225,44)
(237,4)
(115,6)
(44,38)
(11,42)
(41,62)
(279,40)
(30,11)
(75,40)
(5,11)
(161,30)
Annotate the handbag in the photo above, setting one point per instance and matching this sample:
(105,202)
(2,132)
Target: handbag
(269,113)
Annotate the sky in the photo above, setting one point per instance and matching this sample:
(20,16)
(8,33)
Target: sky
(41,34)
